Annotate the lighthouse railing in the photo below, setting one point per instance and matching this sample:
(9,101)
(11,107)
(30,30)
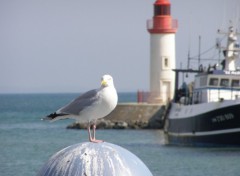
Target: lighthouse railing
(150,25)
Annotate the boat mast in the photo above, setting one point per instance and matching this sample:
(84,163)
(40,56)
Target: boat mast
(199,50)
(231,52)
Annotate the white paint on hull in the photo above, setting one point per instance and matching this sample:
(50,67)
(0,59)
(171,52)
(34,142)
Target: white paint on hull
(205,133)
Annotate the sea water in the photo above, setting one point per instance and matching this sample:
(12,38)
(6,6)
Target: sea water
(26,142)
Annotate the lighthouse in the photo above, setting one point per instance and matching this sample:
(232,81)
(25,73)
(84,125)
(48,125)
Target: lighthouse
(162,29)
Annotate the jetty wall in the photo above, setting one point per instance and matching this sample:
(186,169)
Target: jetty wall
(131,116)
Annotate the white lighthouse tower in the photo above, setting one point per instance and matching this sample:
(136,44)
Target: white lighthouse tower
(162,29)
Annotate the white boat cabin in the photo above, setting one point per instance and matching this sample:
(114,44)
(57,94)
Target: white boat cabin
(217,86)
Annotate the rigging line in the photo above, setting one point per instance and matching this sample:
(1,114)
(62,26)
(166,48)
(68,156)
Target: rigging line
(196,56)
(214,57)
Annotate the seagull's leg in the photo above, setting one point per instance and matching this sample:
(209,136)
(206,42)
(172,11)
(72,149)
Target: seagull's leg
(94,130)
(94,133)
(89,132)
(92,139)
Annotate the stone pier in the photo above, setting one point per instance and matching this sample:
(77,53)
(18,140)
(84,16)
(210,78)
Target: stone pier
(130,116)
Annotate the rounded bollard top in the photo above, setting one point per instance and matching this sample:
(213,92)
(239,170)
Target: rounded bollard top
(94,159)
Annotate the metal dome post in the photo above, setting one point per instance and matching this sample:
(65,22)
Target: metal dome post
(94,159)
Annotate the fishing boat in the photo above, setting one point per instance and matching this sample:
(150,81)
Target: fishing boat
(206,112)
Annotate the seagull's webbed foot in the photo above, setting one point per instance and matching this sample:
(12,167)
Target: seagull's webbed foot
(93,139)
(96,141)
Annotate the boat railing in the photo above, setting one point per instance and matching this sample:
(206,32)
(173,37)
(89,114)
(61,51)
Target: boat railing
(196,97)
(209,95)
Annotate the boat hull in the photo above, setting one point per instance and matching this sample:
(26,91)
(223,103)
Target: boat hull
(224,140)
(216,127)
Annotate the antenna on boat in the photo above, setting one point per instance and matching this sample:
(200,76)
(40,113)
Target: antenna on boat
(181,67)
(189,44)
(199,50)
(188,62)
(218,46)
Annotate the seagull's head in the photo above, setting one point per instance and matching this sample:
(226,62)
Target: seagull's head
(106,81)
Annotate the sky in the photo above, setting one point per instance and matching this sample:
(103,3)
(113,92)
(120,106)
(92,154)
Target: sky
(53,46)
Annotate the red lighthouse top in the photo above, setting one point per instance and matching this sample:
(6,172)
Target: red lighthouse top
(162,21)
(161,2)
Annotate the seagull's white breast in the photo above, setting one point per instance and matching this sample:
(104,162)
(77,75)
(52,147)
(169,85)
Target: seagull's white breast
(105,105)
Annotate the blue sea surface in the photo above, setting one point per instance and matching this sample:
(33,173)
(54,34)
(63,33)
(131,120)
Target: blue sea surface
(26,142)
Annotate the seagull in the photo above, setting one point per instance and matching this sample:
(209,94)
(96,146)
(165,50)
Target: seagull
(90,106)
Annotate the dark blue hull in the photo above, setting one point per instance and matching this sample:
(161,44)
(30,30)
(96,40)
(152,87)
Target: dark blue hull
(219,127)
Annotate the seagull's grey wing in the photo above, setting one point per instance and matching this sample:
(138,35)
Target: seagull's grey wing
(80,103)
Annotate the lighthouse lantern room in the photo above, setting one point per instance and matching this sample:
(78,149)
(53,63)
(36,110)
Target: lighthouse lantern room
(162,29)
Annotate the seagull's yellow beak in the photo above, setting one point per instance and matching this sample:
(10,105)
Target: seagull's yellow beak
(104,83)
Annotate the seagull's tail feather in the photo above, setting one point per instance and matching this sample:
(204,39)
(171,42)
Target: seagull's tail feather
(54,116)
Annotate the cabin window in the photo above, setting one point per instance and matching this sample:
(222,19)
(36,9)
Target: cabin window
(224,82)
(235,83)
(213,82)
